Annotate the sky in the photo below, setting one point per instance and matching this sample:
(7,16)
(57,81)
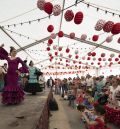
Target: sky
(38,30)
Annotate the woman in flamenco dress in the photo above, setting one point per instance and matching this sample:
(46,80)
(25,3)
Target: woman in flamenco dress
(12,92)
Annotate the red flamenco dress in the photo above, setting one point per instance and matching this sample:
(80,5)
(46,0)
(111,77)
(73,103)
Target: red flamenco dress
(100,125)
(12,92)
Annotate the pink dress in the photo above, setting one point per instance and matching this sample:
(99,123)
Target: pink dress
(12,92)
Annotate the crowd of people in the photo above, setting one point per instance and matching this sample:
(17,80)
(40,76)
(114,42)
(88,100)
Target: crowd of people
(14,80)
(97,98)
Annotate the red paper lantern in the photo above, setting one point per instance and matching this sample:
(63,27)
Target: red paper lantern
(78,18)
(50,41)
(74,61)
(60,59)
(60,48)
(108,26)
(88,58)
(48,7)
(76,56)
(40,4)
(98,63)
(95,38)
(119,55)
(60,33)
(48,48)
(93,54)
(118,40)
(80,62)
(50,28)
(92,63)
(72,35)
(56,10)
(116,59)
(119,62)
(67,50)
(56,53)
(102,54)
(99,59)
(116,29)
(69,15)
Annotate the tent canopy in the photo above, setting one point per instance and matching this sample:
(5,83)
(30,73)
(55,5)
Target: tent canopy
(17,19)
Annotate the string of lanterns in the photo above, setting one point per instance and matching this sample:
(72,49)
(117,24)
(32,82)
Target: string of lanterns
(56,9)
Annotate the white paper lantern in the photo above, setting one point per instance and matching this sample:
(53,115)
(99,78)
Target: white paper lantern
(83,37)
(109,39)
(53,36)
(61,55)
(56,10)
(94,59)
(76,51)
(112,55)
(99,25)
(55,47)
(40,4)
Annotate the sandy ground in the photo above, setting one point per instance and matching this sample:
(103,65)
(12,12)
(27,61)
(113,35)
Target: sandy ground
(24,115)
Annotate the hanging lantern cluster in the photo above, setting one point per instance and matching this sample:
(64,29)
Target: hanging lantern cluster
(48,7)
(69,15)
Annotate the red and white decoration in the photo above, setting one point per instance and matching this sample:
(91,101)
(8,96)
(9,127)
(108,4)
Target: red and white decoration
(40,4)
(56,10)
(99,25)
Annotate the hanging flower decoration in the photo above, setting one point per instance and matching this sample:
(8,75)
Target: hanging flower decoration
(48,44)
(89,54)
(48,48)
(99,59)
(112,55)
(49,54)
(67,50)
(83,37)
(109,39)
(56,10)
(116,59)
(72,35)
(78,18)
(118,40)
(40,4)
(61,55)
(69,15)
(116,29)
(83,58)
(70,56)
(88,58)
(60,48)
(60,33)
(108,26)
(102,54)
(76,56)
(95,38)
(93,54)
(50,28)
(50,41)
(56,53)
(110,59)
(76,51)
(48,7)
(104,59)
(94,59)
(53,35)
(54,47)
(99,25)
